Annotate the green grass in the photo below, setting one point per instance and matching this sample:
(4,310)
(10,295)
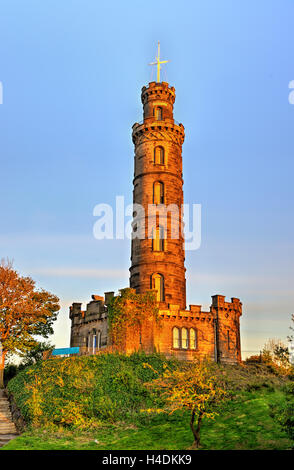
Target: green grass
(110,392)
(244,423)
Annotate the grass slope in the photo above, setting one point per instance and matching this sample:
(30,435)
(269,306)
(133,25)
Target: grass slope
(108,391)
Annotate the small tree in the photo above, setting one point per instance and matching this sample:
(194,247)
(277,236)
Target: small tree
(194,387)
(291,337)
(24,312)
(34,355)
(284,411)
(276,353)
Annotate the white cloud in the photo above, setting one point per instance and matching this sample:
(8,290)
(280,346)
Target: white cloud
(80,272)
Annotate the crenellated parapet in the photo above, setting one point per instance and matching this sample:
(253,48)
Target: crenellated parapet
(227,328)
(89,327)
(158,94)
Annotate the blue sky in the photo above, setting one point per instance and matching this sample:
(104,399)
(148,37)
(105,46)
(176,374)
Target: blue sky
(72,73)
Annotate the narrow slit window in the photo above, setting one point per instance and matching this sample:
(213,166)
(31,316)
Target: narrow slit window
(184,338)
(193,343)
(176,338)
(158,193)
(159,156)
(158,114)
(157,283)
(158,239)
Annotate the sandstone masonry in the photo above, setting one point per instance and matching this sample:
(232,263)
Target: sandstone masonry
(157,254)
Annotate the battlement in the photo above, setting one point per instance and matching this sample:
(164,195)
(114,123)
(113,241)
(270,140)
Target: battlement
(219,303)
(95,310)
(156,90)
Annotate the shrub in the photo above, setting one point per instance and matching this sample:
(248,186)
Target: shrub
(284,413)
(74,392)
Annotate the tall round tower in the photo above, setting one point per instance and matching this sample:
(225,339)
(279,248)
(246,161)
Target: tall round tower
(157,259)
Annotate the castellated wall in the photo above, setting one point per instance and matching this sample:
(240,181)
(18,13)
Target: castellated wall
(214,334)
(89,328)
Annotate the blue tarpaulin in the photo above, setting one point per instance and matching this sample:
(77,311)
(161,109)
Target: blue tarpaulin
(65,351)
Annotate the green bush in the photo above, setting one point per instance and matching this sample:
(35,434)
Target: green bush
(79,391)
(284,412)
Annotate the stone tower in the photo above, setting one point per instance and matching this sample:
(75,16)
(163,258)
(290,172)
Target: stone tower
(157,258)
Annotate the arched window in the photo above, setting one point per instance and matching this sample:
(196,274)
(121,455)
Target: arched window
(158,192)
(185,343)
(158,113)
(193,339)
(159,156)
(157,283)
(158,239)
(176,337)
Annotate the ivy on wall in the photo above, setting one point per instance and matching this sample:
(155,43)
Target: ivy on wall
(130,310)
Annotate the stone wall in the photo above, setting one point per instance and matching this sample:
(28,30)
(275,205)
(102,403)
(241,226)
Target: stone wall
(217,331)
(89,328)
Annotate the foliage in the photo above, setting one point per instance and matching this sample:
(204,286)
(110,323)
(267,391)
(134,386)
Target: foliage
(35,354)
(244,424)
(101,409)
(194,387)
(130,310)
(82,391)
(24,313)
(255,359)
(284,413)
(10,371)
(291,337)
(276,354)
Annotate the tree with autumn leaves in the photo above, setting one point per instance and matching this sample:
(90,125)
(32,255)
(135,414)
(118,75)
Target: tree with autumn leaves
(25,312)
(191,386)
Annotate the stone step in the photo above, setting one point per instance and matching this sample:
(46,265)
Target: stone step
(5,420)
(6,438)
(7,425)
(5,431)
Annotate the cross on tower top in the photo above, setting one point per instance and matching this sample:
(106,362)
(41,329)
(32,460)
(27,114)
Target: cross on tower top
(158,62)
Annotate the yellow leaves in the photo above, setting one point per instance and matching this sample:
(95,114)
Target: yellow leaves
(22,308)
(59,381)
(192,387)
(148,366)
(153,410)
